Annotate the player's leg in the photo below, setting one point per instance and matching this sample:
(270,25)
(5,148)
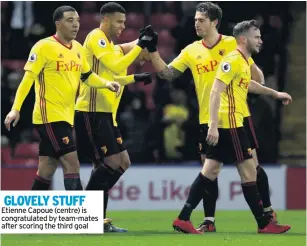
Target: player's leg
(46,164)
(71,171)
(96,139)
(247,171)
(118,159)
(122,157)
(85,129)
(204,181)
(65,151)
(209,205)
(46,169)
(262,178)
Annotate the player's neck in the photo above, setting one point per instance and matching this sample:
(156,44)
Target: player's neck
(211,39)
(104,29)
(62,39)
(244,52)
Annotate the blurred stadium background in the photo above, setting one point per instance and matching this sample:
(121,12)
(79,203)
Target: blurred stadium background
(157,148)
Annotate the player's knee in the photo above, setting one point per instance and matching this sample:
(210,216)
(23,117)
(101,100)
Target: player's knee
(113,161)
(125,164)
(46,168)
(70,163)
(211,169)
(247,171)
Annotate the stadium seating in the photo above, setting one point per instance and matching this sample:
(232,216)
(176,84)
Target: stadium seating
(135,20)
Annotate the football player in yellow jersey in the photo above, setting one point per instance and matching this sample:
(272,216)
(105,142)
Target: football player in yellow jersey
(202,58)
(56,64)
(98,139)
(227,138)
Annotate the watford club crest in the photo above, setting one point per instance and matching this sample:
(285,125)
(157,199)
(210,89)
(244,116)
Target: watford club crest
(222,52)
(65,140)
(79,56)
(119,140)
(104,149)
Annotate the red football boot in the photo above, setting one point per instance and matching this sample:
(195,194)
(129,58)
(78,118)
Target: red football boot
(273,228)
(184,226)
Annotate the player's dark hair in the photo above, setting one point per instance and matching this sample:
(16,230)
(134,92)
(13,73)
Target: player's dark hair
(111,8)
(59,12)
(244,26)
(213,11)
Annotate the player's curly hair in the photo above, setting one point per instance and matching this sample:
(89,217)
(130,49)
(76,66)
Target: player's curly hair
(111,8)
(213,11)
(244,26)
(59,12)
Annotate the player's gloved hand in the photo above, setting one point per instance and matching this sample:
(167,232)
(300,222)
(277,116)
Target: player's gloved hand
(143,77)
(144,39)
(152,46)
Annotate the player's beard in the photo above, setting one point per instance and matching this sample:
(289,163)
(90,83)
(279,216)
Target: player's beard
(250,48)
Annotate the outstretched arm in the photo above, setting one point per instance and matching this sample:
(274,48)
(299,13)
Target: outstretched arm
(256,88)
(164,71)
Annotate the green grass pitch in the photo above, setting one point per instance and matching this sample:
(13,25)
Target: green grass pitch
(234,228)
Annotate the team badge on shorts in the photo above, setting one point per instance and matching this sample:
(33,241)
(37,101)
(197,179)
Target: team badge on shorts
(119,140)
(65,140)
(104,149)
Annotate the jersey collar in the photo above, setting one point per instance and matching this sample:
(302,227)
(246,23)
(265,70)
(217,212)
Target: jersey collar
(243,56)
(211,47)
(68,47)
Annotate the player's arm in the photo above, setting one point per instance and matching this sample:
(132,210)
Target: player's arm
(172,71)
(256,88)
(117,66)
(33,67)
(93,80)
(21,94)
(215,99)
(224,75)
(127,47)
(134,78)
(257,74)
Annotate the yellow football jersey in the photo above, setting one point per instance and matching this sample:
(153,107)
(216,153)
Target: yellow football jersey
(234,71)
(58,69)
(204,61)
(97,45)
(118,53)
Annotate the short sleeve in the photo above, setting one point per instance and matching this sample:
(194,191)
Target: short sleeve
(181,61)
(37,58)
(226,71)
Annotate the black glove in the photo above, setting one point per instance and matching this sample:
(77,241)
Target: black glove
(152,44)
(143,77)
